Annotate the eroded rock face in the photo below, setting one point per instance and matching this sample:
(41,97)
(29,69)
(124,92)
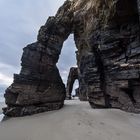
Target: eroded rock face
(73,75)
(81,91)
(107,38)
(39,87)
(106,33)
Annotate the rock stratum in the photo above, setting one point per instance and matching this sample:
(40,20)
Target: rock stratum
(106,34)
(73,75)
(80,91)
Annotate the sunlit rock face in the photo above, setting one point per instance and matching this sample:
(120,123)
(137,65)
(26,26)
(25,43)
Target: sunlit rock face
(106,34)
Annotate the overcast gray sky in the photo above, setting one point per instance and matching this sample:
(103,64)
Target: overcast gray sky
(20,21)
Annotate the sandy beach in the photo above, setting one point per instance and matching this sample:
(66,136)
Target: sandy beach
(76,121)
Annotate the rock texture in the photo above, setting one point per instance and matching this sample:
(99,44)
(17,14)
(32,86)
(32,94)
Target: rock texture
(73,75)
(107,37)
(106,34)
(39,87)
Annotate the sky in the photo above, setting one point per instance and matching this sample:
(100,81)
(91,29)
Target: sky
(20,21)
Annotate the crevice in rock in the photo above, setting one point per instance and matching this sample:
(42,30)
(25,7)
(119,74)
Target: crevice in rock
(101,71)
(129,92)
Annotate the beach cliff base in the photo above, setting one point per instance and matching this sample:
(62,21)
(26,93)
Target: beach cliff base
(76,121)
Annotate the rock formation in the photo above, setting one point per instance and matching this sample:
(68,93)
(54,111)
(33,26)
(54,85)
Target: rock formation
(107,37)
(106,34)
(73,75)
(39,87)
(80,92)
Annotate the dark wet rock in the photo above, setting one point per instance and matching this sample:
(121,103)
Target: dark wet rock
(106,34)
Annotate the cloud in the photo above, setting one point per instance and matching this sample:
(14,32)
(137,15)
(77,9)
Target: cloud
(67,58)
(20,22)
(6,75)
(5,80)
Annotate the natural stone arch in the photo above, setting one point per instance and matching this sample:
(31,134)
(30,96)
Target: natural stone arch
(39,86)
(106,35)
(80,91)
(73,75)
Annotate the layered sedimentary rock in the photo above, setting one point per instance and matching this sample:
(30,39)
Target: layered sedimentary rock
(107,38)
(106,34)
(80,91)
(73,75)
(39,87)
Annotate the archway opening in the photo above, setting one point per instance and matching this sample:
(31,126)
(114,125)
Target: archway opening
(66,61)
(67,58)
(75,90)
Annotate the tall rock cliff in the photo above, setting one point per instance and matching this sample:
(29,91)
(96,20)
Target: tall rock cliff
(106,34)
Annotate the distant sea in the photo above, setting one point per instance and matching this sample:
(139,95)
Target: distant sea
(1,102)
(1,97)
